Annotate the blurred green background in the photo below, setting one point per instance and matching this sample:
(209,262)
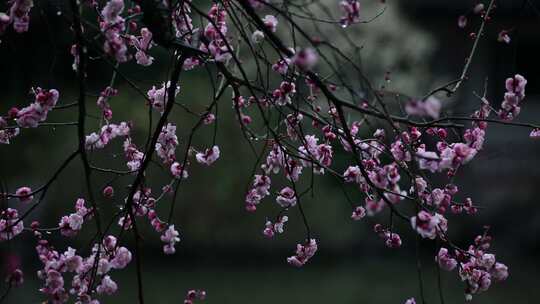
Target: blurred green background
(223,250)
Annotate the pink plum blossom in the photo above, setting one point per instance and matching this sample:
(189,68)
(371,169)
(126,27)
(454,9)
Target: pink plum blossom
(170,238)
(428,225)
(304,252)
(351,12)
(270,22)
(24,194)
(286,198)
(10,225)
(445,261)
(209,156)
(143,45)
(358,213)
(107,286)
(305,59)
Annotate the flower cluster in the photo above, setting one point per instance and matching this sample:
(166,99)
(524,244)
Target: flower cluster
(278,158)
(452,155)
(185,31)
(282,66)
(351,12)
(158,97)
(103,102)
(19,16)
(260,189)
(385,177)
(144,205)
(320,155)
(167,142)
(133,155)
(193,295)
(209,156)
(429,225)
(170,238)
(71,224)
(107,133)
(282,95)
(391,239)
(183,22)
(373,205)
(36,112)
(515,93)
(10,224)
(112,26)
(445,260)
(216,31)
(304,252)
(271,229)
(142,44)
(94,268)
(178,171)
(439,199)
(535,133)
(477,268)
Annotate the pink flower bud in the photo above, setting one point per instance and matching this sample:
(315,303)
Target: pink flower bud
(108,192)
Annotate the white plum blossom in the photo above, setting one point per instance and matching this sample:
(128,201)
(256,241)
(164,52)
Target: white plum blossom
(257,37)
